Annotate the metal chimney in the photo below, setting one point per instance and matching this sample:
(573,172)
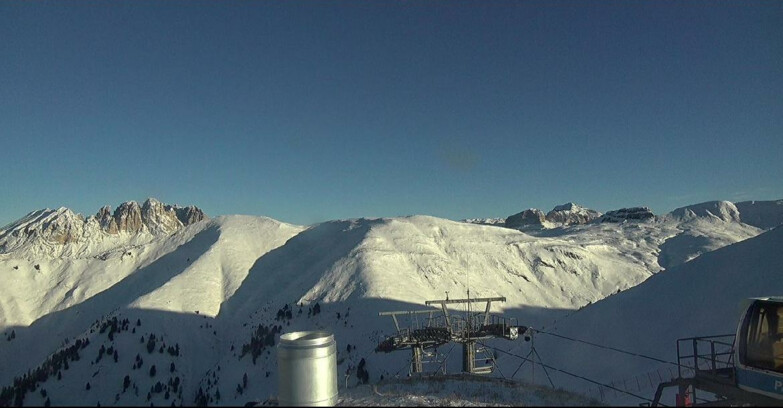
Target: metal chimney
(307,369)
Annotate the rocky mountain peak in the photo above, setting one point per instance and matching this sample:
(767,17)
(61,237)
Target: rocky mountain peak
(571,213)
(106,220)
(628,214)
(158,217)
(190,214)
(63,226)
(531,216)
(128,217)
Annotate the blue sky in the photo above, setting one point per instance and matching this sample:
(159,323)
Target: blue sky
(309,111)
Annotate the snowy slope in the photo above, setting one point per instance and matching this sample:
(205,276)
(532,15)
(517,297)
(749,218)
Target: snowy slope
(762,214)
(701,297)
(209,286)
(192,271)
(363,265)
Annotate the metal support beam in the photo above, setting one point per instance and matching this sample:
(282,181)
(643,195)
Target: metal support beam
(404,312)
(446,315)
(475,300)
(441,330)
(416,365)
(396,324)
(468,356)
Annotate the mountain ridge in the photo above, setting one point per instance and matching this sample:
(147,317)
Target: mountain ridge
(62,232)
(210,286)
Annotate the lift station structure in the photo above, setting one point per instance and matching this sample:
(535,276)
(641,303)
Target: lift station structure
(434,327)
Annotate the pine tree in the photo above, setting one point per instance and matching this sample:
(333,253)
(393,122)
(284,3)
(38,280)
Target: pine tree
(152,371)
(244,380)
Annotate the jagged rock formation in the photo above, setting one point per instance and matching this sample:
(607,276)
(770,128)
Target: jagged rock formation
(623,214)
(152,216)
(63,226)
(571,213)
(486,221)
(190,214)
(529,217)
(106,220)
(128,217)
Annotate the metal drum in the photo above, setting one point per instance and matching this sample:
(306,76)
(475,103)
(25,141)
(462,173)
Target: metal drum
(307,368)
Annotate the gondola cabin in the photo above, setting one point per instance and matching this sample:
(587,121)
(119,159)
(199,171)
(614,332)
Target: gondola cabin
(759,352)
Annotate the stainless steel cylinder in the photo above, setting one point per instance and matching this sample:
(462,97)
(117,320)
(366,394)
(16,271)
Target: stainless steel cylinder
(307,369)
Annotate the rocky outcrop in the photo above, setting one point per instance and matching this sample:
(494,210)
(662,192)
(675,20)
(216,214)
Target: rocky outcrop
(190,214)
(152,216)
(106,220)
(60,226)
(529,217)
(128,217)
(159,218)
(628,214)
(571,213)
(486,221)
(63,226)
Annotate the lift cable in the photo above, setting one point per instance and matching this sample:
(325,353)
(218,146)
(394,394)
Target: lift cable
(574,375)
(608,348)
(446,357)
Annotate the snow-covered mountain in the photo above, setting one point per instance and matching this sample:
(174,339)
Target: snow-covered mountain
(61,232)
(571,213)
(721,210)
(202,299)
(702,297)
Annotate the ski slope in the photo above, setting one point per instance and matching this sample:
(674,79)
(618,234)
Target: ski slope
(702,297)
(209,286)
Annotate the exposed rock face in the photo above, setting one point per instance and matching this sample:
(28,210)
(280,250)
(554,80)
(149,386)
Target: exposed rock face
(158,217)
(190,214)
(106,220)
(486,221)
(128,217)
(152,216)
(623,214)
(62,226)
(531,216)
(570,213)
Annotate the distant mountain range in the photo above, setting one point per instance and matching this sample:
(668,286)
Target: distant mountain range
(761,214)
(192,294)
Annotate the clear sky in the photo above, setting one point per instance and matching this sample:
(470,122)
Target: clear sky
(309,111)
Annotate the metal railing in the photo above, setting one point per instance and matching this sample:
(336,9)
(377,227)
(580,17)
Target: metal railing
(712,355)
